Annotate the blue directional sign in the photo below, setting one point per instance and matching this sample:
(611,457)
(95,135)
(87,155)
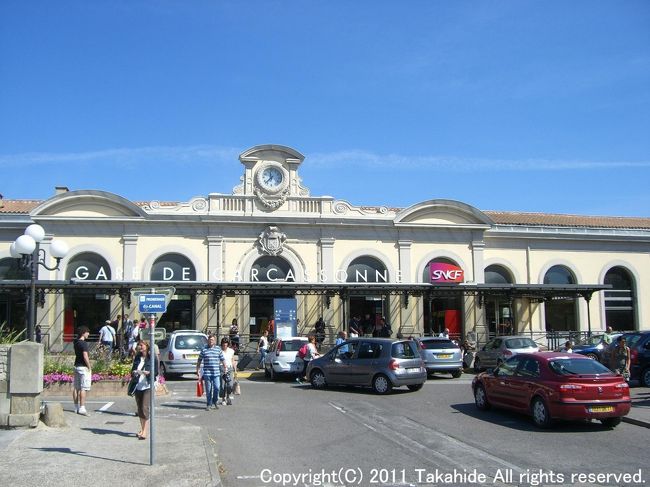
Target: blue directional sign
(152,303)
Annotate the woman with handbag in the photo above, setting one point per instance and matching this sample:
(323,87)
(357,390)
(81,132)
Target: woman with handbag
(227,376)
(141,370)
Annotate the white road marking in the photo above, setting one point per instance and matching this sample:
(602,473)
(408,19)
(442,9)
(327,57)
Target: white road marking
(105,407)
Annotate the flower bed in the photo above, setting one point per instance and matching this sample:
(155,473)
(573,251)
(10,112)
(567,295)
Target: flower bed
(111,378)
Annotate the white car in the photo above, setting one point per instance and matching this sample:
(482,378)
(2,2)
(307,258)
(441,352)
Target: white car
(179,352)
(282,357)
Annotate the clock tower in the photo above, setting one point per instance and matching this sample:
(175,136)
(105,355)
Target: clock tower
(271,175)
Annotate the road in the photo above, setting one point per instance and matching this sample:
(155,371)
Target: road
(283,433)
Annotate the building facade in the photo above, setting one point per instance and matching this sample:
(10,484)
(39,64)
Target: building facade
(434,265)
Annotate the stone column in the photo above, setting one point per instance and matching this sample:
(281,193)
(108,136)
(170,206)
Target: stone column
(405,261)
(129,258)
(215,273)
(327,259)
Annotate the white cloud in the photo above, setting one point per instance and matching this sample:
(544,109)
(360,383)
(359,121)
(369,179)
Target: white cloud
(214,155)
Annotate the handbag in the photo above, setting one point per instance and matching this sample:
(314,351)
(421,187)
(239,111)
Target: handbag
(236,388)
(199,388)
(133,383)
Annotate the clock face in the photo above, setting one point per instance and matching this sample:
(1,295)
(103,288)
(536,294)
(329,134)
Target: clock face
(272,177)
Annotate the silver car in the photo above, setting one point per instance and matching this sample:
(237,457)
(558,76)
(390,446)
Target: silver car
(179,352)
(441,355)
(500,349)
(282,357)
(380,363)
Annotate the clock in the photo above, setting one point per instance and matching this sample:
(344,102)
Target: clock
(271,178)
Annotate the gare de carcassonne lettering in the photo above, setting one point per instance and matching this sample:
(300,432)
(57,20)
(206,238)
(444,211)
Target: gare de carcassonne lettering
(82,273)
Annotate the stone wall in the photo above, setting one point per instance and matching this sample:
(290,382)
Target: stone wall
(5,402)
(21,384)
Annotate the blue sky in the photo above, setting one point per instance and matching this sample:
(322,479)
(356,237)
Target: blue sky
(516,105)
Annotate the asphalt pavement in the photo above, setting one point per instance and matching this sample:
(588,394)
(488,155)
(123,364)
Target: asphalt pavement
(102,449)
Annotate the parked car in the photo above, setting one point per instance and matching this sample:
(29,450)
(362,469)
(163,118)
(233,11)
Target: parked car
(595,347)
(441,355)
(501,348)
(553,385)
(179,352)
(380,363)
(639,344)
(282,357)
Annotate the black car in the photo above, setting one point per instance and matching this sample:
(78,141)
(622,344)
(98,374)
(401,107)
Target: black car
(639,343)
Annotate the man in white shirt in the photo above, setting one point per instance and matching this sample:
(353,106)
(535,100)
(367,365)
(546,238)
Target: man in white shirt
(107,336)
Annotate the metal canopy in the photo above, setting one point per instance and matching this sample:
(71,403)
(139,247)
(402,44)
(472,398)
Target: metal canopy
(534,292)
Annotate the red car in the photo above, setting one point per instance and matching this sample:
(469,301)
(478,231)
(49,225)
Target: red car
(552,385)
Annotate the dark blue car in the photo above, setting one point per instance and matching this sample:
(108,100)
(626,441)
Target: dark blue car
(596,347)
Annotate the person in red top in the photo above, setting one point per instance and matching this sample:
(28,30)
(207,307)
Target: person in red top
(271,327)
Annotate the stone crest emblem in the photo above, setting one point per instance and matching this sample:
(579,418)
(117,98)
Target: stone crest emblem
(271,241)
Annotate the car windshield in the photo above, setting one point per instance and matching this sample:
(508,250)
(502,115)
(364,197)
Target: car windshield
(437,344)
(190,342)
(574,366)
(404,350)
(514,343)
(292,345)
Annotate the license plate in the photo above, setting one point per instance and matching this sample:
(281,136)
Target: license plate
(192,356)
(601,409)
(444,355)
(413,370)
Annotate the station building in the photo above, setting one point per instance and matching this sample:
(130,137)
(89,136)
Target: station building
(433,265)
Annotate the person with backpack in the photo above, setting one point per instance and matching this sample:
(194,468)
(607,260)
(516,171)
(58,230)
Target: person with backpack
(307,353)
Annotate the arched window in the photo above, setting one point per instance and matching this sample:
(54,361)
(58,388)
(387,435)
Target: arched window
(10,269)
(173,267)
(497,274)
(620,302)
(561,313)
(88,266)
(272,268)
(367,269)
(499,313)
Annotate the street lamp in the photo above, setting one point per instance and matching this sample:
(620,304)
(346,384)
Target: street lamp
(27,248)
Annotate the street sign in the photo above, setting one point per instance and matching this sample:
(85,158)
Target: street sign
(152,303)
(158,334)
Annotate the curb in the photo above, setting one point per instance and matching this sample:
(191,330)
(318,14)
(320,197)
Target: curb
(637,422)
(213,460)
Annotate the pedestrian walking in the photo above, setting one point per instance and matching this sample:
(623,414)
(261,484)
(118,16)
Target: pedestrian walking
(568,347)
(82,371)
(107,337)
(39,334)
(142,369)
(208,368)
(311,353)
(262,347)
(620,359)
(227,375)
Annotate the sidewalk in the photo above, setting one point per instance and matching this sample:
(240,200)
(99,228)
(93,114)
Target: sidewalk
(640,412)
(102,450)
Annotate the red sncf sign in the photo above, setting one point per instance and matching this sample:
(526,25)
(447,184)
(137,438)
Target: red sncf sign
(439,272)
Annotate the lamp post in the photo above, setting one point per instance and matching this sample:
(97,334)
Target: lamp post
(27,248)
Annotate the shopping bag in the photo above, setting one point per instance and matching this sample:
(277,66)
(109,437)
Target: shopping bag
(199,388)
(236,388)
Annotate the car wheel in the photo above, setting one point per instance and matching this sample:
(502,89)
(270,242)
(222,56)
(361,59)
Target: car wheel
(610,422)
(457,373)
(592,356)
(415,387)
(381,384)
(480,398)
(540,412)
(318,380)
(477,365)
(645,377)
(163,371)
